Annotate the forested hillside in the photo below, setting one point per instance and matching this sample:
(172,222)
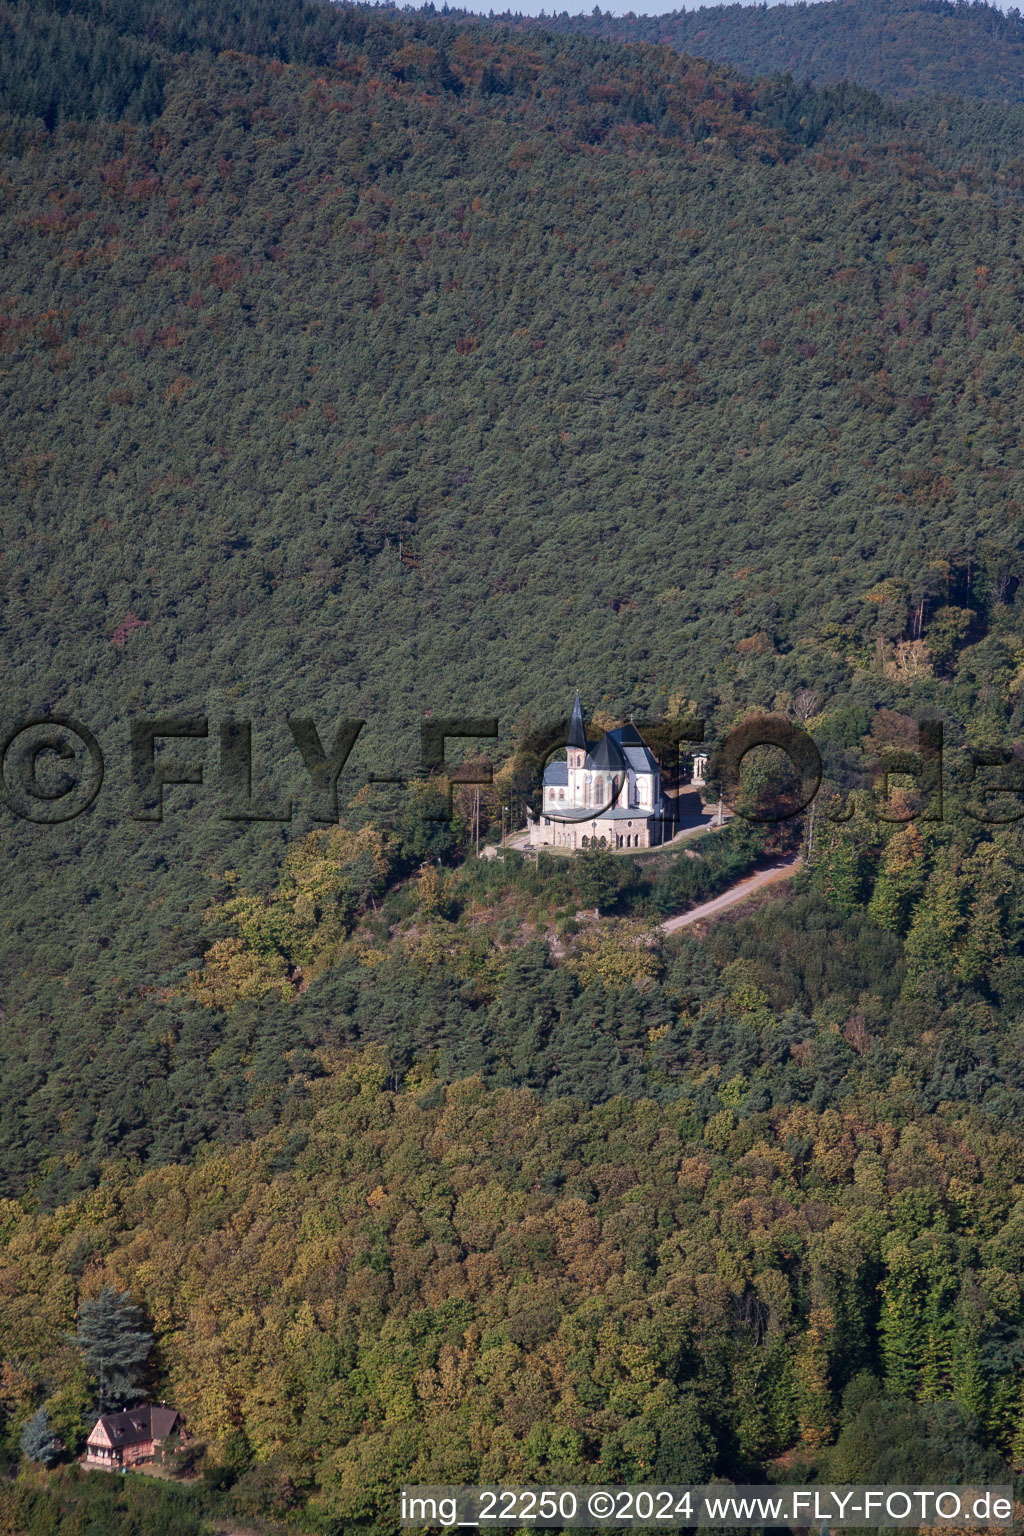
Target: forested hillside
(363,365)
(899,47)
(450,1284)
(318,383)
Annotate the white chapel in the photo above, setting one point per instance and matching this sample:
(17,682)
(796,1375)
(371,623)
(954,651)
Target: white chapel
(609,795)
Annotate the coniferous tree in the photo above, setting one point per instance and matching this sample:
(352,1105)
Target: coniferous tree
(967,1377)
(900,1324)
(936,1319)
(1017,1443)
(38,1442)
(813,1396)
(595,878)
(115,1344)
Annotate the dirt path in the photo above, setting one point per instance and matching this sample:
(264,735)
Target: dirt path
(733,895)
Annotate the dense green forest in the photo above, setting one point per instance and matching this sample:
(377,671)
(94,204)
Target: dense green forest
(313,382)
(899,47)
(365,365)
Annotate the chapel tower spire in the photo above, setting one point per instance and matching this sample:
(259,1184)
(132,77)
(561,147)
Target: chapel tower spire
(576,746)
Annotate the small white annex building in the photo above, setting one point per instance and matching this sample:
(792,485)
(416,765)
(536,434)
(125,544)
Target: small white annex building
(607,796)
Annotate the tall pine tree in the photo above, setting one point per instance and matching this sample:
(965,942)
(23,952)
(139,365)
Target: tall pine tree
(115,1344)
(900,1324)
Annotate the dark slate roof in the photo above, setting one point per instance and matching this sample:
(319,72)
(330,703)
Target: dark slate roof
(164,1421)
(572,813)
(640,760)
(607,755)
(634,749)
(577,735)
(146,1422)
(625,813)
(557,774)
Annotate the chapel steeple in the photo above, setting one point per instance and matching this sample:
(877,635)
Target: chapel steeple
(577,735)
(576,746)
